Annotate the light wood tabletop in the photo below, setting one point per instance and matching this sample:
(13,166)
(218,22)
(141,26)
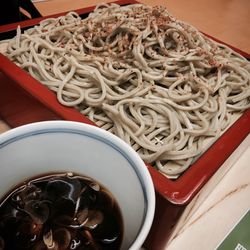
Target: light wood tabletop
(217,208)
(225,20)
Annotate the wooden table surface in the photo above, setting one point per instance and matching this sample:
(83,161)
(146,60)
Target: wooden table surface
(217,208)
(226,20)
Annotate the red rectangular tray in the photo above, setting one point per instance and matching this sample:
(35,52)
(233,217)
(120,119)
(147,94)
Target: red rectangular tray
(23,100)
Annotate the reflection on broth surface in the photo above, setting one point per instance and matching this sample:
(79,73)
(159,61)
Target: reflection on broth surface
(60,211)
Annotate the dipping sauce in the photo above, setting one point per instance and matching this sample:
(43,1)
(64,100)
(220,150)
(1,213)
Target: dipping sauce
(60,211)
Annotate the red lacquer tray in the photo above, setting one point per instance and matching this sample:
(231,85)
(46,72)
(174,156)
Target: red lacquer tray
(23,100)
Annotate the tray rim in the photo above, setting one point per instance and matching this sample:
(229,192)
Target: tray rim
(179,191)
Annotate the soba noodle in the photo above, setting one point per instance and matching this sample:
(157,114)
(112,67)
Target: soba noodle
(136,71)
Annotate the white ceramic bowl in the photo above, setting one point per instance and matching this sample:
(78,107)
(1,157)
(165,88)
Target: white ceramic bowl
(58,146)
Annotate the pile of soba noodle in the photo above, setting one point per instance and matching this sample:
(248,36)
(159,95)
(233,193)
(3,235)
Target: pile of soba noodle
(136,71)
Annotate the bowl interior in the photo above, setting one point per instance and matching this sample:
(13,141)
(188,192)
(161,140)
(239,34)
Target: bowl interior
(43,148)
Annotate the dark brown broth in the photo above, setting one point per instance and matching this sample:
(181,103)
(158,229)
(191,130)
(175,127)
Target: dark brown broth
(60,211)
